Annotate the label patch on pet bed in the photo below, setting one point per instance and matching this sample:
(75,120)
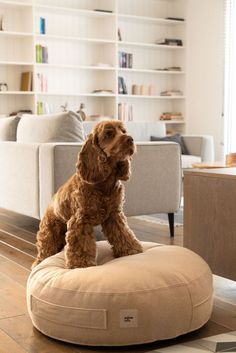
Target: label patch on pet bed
(78,317)
(128,318)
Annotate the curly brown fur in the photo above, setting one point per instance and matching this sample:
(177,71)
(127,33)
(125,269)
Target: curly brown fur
(92,196)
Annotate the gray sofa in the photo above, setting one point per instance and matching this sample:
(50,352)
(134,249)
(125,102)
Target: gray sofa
(32,172)
(200,147)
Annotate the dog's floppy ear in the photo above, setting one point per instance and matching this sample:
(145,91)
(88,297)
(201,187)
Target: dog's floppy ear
(123,170)
(93,165)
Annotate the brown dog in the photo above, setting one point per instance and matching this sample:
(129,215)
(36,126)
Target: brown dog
(92,196)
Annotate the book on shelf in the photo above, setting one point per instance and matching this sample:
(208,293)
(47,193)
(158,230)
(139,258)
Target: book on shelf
(125,60)
(102,10)
(171,116)
(41,54)
(122,89)
(102,91)
(171,93)
(175,19)
(41,83)
(170,41)
(125,112)
(119,34)
(40,110)
(26,81)
(42,25)
(43,108)
(170,68)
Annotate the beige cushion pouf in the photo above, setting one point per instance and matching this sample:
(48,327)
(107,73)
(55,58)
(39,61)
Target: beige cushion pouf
(162,293)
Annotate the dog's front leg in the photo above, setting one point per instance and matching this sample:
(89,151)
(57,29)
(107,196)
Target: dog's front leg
(80,249)
(120,236)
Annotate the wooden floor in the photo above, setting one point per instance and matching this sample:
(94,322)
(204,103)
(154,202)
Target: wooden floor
(17,251)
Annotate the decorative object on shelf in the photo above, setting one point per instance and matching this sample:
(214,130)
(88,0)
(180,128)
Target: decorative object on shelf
(42,29)
(64,107)
(135,90)
(125,60)
(1,22)
(172,92)
(144,90)
(122,89)
(81,112)
(125,112)
(171,116)
(230,159)
(119,35)
(41,54)
(3,87)
(151,90)
(26,81)
(170,41)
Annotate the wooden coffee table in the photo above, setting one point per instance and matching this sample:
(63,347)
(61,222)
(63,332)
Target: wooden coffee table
(210,217)
(210,165)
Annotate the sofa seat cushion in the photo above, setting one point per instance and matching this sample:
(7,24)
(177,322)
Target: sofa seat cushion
(162,293)
(8,128)
(188,160)
(60,127)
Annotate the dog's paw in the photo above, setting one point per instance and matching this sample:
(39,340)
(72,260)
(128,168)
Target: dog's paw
(136,248)
(80,263)
(35,263)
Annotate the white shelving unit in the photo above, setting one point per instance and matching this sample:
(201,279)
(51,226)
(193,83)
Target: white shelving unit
(83,56)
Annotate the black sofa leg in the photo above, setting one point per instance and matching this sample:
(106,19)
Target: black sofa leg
(171,218)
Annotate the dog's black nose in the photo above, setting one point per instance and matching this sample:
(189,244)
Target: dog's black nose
(130,140)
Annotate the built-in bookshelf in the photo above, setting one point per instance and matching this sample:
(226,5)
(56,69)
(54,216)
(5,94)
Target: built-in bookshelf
(77,51)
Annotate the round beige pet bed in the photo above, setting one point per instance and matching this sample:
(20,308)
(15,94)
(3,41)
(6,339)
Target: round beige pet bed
(162,293)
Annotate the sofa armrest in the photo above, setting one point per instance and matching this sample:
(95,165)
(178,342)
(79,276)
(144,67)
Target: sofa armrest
(200,145)
(19,178)
(154,187)
(155,184)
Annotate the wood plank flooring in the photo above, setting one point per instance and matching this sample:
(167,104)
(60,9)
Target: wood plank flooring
(17,251)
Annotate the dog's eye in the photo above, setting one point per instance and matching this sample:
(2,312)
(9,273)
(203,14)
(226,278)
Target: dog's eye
(109,133)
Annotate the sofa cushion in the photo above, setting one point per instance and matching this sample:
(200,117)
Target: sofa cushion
(188,160)
(8,127)
(60,127)
(173,138)
(141,131)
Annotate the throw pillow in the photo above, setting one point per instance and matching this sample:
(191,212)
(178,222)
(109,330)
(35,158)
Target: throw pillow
(60,127)
(173,138)
(8,127)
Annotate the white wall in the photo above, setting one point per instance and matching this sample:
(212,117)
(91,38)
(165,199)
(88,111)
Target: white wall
(205,66)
